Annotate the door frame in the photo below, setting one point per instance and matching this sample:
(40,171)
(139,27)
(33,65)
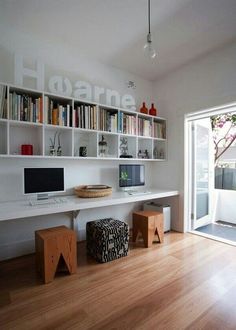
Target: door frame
(188,177)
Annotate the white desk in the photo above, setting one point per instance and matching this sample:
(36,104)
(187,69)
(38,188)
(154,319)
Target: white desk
(22,209)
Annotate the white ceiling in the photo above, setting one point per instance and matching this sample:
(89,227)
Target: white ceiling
(114,31)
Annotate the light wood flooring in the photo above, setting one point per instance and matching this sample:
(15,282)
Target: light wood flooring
(188,282)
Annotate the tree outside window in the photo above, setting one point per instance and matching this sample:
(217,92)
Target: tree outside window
(224,133)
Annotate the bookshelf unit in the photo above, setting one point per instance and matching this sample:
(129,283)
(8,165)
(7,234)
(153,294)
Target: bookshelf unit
(66,127)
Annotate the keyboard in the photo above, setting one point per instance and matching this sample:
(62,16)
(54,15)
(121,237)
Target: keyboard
(138,193)
(50,201)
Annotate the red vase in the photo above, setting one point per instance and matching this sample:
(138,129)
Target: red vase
(153,111)
(143,109)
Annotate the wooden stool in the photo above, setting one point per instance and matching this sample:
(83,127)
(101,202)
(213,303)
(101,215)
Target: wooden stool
(50,245)
(149,223)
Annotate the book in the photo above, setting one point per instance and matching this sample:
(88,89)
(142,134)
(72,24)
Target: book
(3,90)
(54,116)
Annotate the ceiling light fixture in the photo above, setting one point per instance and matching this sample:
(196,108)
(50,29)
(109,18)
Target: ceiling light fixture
(148,47)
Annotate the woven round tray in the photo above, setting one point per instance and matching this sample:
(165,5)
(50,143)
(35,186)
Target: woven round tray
(93,191)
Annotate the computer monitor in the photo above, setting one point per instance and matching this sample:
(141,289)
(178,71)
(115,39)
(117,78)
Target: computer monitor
(41,181)
(131,175)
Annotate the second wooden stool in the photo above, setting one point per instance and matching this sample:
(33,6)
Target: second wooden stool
(50,245)
(149,224)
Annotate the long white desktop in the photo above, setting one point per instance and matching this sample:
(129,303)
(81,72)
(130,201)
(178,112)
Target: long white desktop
(22,209)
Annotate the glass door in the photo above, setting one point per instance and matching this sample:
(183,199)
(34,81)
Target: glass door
(202,172)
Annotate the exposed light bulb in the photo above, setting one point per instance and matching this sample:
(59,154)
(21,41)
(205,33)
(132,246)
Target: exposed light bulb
(148,47)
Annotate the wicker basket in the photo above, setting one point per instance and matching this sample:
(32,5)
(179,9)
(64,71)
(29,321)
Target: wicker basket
(93,191)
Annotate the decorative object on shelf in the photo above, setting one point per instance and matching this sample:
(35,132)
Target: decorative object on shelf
(148,47)
(27,149)
(162,154)
(144,109)
(59,149)
(144,154)
(153,111)
(83,151)
(155,153)
(158,153)
(52,148)
(102,147)
(123,146)
(93,191)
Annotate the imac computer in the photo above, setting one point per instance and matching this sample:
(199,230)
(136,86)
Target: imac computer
(130,177)
(42,181)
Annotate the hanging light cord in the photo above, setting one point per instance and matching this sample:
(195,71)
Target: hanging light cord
(149,20)
(148,46)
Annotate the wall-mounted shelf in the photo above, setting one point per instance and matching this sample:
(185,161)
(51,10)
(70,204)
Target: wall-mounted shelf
(44,120)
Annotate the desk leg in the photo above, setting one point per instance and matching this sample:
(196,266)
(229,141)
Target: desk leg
(73,218)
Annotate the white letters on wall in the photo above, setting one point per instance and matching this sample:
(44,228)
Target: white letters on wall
(58,85)
(98,92)
(128,102)
(112,95)
(21,72)
(84,90)
(63,86)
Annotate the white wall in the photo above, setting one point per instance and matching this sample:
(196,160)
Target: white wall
(17,237)
(226,208)
(229,154)
(67,62)
(204,83)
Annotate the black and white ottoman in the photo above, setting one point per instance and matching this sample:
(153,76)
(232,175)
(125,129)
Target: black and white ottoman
(107,239)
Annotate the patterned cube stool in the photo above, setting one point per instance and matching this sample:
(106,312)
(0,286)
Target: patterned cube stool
(107,239)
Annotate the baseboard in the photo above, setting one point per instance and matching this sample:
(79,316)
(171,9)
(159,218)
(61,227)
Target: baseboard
(16,249)
(21,248)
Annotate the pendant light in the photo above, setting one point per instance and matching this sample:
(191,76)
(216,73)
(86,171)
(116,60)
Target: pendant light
(148,47)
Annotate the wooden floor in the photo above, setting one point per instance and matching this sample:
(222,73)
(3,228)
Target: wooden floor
(188,282)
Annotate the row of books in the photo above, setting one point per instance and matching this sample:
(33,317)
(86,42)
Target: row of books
(117,122)
(56,113)
(144,127)
(108,120)
(127,124)
(25,108)
(159,130)
(85,116)
(3,101)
